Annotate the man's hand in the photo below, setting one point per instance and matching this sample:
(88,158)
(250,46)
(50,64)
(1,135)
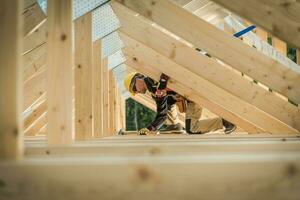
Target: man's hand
(144,131)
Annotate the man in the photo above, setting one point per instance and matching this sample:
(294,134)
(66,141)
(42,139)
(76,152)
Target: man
(165,100)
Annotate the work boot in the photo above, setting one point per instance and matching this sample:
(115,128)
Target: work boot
(229,127)
(173,128)
(188,127)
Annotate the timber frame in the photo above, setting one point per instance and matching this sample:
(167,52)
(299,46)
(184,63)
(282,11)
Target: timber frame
(63,103)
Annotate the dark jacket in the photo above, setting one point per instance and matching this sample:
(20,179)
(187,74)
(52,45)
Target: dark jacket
(163,104)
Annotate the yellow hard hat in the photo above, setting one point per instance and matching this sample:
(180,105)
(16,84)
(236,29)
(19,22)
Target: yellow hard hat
(128,80)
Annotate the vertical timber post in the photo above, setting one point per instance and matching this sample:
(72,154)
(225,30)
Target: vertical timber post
(105,77)
(97,89)
(11,82)
(60,72)
(83,77)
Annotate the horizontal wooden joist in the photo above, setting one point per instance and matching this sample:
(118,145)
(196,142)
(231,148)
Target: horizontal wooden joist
(281,18)
(210,176)
(223,46)
(142,56)
(184,54)
(163,147)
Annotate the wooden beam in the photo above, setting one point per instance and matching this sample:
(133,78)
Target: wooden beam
(33,18)
(167,146)
(34,62)
(97,89)
(123,112)
(106,101)
(223,46)
(134,177)
(35,39)
(112,103)
(60,74)
(281,18)
(142,54)
(83,77)
(34,128)
(37,111)
(142,30)
(34,88)
(11,80)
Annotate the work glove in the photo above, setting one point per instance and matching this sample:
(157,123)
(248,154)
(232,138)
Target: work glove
(144,131)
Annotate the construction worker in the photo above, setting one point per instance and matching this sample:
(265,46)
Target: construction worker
(166,101)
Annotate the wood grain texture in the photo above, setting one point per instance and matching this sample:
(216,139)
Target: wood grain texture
(60,73)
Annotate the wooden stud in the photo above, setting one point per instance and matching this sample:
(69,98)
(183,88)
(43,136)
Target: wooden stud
(83,77)
(97,89)
(11,146)
(223,46)
(106,100)
(112,102)
(60,73)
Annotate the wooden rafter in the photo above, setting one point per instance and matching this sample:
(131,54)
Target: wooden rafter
(223,46)
(222,76)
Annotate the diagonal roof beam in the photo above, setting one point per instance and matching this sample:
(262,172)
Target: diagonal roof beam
(223,46)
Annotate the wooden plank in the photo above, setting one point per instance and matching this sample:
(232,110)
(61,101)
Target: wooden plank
(279,45)
(97,89)
(33,18)
(34,89)
(185,55)
(232,51)
(35,39)
(281,18)
(36,113)
(123,112)
(142,54)
(112,103)
(164,147)
(60,74)
(83,77)
(34,62)
(10,80)
(106,101)
(34,128)
(142,177)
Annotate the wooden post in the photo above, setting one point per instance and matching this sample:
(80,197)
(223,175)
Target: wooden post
(10,80)
(97,89)
(279,45)
(83,77)
(117,109)
(123,112)
(60,72)
(111,102)
(105,77)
